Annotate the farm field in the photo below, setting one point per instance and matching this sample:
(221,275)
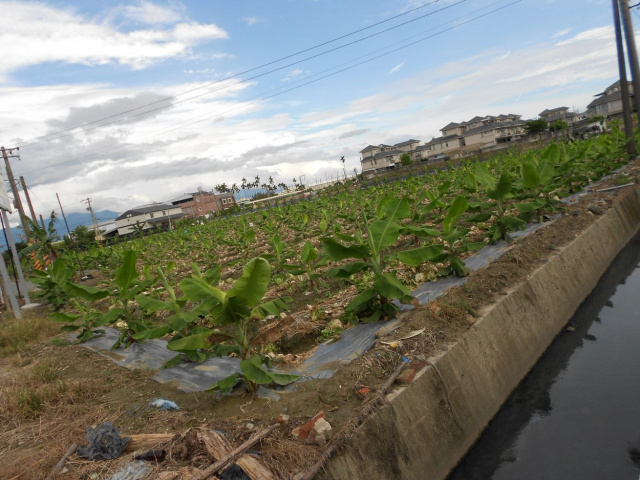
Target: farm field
(267,287)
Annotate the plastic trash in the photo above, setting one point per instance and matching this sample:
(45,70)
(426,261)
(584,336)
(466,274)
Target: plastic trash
(105,443)
(136,470)
(163,404)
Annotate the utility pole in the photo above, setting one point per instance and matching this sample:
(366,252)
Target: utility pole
(624,86)
(64,217)
(14,189)
(26,194)
(93,217)
(632,52)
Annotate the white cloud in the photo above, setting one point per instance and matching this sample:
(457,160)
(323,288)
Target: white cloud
(561,33)
(159,158)
(251,21)
(296,74)
(149,13)
(39,33)
(396,68)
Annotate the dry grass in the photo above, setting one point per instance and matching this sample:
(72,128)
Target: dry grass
(40,412)
(16,335)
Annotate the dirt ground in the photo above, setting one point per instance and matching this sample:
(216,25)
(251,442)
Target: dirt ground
(50,392)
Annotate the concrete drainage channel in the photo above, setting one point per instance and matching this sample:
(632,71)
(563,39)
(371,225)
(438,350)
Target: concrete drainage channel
(429,425)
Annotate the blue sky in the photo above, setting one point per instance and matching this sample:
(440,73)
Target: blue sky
(69,63)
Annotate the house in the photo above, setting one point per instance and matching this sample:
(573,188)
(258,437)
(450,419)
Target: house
(559,113)
(420,153)
(384,157)
(495,131)
(201,203)
(442,146)
(609,102)
(459,139)
(147,217)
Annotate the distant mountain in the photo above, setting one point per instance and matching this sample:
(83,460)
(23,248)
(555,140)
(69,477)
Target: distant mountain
(73,219)
(76,219)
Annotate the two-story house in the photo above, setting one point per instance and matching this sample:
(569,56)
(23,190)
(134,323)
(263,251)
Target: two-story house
(609,102)
(148,216)
(559,113)
(474,134)
(384,157)
(494,130)
(201,203)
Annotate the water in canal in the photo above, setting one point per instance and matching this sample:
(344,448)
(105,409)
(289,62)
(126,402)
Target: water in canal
(577,414)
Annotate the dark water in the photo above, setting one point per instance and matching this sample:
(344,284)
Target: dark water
(577,414)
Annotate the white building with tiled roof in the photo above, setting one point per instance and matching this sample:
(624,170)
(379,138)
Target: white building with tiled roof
(384,157)
(609,102)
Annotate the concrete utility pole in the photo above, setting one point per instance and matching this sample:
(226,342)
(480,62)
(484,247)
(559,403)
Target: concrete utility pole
(632,52)
(26,194)
(14,189)
(93,217)
(624,87)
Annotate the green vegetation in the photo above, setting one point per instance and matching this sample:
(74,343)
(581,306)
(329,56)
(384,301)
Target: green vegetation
(405,159)
(536,126)
(213,286)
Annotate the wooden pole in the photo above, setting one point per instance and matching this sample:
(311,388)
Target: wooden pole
(26,194)
(231,457)
(63,460)
(16,194)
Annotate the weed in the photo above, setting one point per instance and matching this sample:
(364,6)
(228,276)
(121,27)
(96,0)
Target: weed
(45,372)
(29,403)
(328,333)
(59,342)
(16,335)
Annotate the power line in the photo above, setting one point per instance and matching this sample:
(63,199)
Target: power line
(43,138)
(262,98)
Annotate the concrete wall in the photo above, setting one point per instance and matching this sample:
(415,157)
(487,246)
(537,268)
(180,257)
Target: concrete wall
(428,427)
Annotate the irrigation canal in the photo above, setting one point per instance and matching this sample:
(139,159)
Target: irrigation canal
(577,414)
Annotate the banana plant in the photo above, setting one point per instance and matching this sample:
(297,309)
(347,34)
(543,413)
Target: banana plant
(235,309)
(499,190)
(181,322)
(53,284)
(309,267)
(539,181)
(374,302)
(278,247)
(87,319)
(128,286)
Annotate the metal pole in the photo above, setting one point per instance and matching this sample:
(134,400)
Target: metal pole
(632,52)
(16,259)
(624,86)
(6,282)
(13,263)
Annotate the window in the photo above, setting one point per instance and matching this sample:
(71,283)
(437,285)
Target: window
(197,199)
(164,212)
(151,215)
(199,209)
